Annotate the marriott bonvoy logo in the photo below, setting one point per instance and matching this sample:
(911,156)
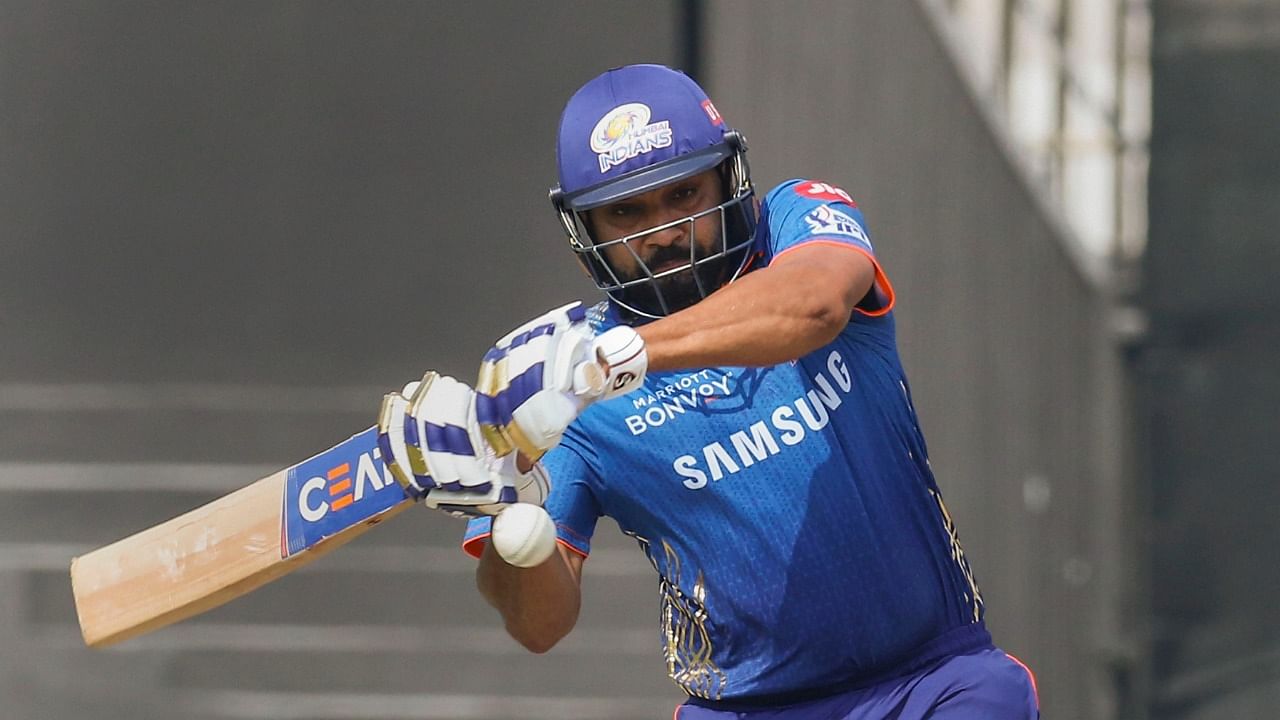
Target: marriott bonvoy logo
(671,401)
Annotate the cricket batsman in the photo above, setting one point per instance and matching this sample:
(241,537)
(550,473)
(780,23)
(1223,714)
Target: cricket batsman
(748,421)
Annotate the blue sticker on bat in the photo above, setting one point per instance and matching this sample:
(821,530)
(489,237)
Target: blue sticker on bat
(341,487)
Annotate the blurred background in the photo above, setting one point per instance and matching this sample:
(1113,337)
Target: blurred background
(227,228)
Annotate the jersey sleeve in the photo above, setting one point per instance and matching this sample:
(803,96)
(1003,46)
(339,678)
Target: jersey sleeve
(806,212)
(572,503)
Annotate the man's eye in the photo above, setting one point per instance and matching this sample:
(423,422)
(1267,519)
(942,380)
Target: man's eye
(685,193)
(622,211)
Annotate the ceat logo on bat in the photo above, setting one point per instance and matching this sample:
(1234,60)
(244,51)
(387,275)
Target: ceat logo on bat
(825,192)
(342,486)
(625,132)
(336,488)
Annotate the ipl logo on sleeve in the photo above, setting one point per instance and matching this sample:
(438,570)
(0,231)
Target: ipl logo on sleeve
(827,220)
(625,132)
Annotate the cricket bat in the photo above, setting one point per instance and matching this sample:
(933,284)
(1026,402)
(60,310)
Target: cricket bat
(239,542)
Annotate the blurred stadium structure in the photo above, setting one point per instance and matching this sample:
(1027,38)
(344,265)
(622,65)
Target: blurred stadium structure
(1069,82)
(202,205)
(1209,372)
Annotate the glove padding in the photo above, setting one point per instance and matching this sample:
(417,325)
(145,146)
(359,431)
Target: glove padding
(537,379)
(431,443)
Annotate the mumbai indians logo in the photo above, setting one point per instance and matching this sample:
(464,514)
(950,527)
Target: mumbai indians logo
(625,132)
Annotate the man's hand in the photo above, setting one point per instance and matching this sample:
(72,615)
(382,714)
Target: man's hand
(537,379)
(431,443)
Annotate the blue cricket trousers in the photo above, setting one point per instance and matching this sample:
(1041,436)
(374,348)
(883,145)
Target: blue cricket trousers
(986,684)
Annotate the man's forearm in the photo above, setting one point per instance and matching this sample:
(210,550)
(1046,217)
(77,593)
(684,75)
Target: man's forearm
(539,605)
(769,316)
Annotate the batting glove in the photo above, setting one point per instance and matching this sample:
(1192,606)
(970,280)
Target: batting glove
(535,381)
(431,443)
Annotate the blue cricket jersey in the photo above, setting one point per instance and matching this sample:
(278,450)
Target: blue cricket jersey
(801,543)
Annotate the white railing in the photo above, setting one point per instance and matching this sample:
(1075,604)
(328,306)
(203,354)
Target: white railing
(1070,81)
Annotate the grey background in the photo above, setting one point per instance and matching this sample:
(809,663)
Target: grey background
(227,228)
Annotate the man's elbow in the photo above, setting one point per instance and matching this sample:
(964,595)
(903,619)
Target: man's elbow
(539,606)
(540,637)
(833,285)
(537,644)
(826,317)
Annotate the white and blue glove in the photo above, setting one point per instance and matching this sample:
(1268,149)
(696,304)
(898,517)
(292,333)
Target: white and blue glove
(458,449)
(537,379)
(432,445)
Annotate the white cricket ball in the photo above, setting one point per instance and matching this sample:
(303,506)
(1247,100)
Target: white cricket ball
(524,535)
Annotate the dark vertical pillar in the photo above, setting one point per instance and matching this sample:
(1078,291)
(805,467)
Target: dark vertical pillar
(1209,375)
(689,38)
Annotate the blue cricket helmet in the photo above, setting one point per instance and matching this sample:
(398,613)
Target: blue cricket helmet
(631,130)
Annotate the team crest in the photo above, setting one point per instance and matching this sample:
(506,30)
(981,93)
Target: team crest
(827,220)
(625,132)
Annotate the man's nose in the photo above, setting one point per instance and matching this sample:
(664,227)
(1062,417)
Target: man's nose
(676,231)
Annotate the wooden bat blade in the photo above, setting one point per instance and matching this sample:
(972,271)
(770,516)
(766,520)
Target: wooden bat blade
(239,542)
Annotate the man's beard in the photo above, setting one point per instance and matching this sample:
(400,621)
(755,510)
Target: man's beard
(680,290)
(715,267)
